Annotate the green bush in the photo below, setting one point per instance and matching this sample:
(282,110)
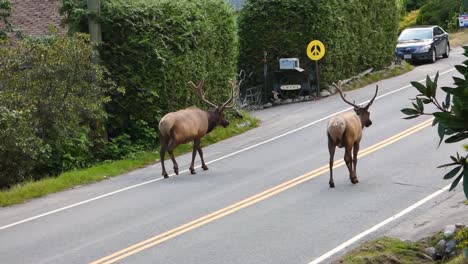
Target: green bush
(5,13)
(152,48)
(440,12)
(56,93)
(21,149)
(357,34)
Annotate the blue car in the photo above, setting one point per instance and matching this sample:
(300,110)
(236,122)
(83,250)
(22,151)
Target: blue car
(423,43)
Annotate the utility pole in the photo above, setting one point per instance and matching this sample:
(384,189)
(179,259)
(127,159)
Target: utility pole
(94,7)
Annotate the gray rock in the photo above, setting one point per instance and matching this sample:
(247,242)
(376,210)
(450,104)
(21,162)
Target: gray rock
(332,89)
(431,252)
(325,93)
(450,246)
(267,105)
(287,101)
(449,231)
(440,248)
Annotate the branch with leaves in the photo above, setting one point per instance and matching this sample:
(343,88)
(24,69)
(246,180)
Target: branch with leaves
(451,116)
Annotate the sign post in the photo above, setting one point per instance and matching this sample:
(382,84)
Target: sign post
(315,52)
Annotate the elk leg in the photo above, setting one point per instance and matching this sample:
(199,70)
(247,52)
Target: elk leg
(355,153)
(349,161)
(162,152)
(194,153)
(331,149)
(200,152)
(170,149)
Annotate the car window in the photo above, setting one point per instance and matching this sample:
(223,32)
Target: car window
(439,31)
(415,34)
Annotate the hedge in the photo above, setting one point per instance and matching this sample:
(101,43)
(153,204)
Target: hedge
(152,48)
(50,96)
(358,34)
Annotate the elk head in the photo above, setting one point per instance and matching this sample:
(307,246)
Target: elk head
(361,111)
(217,113)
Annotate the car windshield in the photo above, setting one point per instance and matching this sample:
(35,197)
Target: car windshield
(415,34)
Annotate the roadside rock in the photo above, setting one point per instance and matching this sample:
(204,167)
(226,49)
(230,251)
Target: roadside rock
(450,247)
(440,248)
(449,231)
(431,252)
(267,105)
(325,93)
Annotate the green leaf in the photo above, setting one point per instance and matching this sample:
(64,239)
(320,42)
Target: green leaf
(465,180)
(446,104)
(450,120)
(452,173)
(447,165)
(460,91)
(411,117)
(420,87)
(441,130)
(420,105)
(457,137)
(410,111)
(456,181)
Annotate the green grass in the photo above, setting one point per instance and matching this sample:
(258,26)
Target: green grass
(392,250)
(29,190)
(378,76)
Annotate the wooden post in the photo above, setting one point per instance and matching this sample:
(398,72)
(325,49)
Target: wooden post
(94,6)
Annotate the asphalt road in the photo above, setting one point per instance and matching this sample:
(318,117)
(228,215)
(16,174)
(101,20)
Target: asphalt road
(265,198)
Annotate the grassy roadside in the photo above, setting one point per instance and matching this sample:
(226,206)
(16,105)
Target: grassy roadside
(29,190)
(459,38)
(392,250)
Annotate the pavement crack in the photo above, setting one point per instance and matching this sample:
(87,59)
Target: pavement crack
(415,185)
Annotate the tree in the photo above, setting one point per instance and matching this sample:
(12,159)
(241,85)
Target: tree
(451,117)
(5,13)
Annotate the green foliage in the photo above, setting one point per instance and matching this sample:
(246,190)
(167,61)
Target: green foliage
(283,28)
(5,13)
(414,4)
(462,238)
(409,20)
(443,13)
(451,117)
(50,93)
(152,49)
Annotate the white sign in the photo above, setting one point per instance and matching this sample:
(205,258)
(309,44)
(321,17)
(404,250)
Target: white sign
(463,20)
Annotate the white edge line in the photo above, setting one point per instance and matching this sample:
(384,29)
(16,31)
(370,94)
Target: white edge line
(377,227)
(215,160)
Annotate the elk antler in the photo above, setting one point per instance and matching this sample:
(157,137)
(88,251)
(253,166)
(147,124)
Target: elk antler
(338,87)
(372,100)
(198,89)
(234,93)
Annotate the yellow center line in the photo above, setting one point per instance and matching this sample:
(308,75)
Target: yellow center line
(153,241)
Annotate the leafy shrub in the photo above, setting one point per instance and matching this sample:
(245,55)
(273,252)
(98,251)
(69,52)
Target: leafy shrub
(21,150)
(61,91)
(5,13)
(451,116)
(409,20)
(440,12)
(153,48)
(283,28)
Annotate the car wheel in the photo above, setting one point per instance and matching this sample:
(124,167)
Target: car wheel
(433,56)
(447,51)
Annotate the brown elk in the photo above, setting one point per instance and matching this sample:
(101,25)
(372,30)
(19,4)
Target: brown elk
(345,130)
(192,124)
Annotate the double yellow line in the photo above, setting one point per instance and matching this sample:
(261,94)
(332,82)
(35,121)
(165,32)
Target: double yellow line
(153,241)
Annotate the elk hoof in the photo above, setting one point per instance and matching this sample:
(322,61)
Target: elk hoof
(332,185)
(192,171)
(354,181)
(176,171)
(204,167)
(165,175)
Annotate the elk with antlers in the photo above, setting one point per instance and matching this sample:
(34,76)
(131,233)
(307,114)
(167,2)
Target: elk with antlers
(345,130)
(192,124)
